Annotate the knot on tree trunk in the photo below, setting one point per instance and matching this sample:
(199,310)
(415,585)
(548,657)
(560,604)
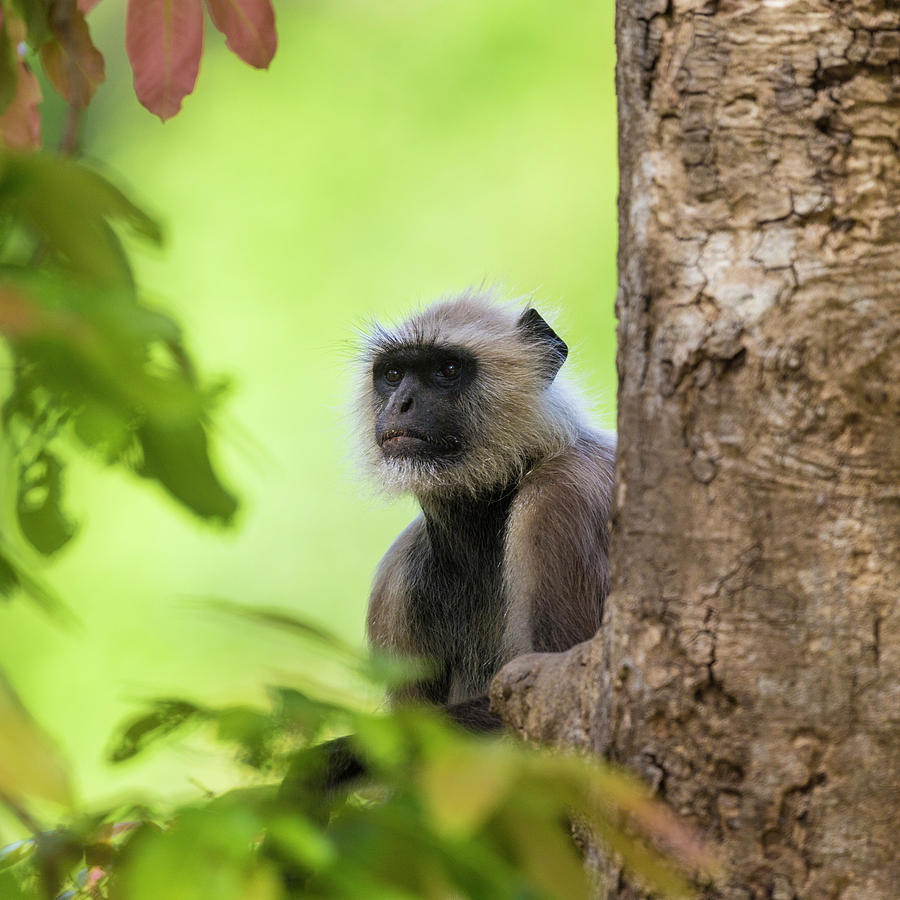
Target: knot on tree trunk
(551,698)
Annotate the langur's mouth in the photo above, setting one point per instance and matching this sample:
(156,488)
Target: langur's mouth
(411,441)
(393,434)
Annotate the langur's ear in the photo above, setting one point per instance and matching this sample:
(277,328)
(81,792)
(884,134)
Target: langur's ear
(536,330)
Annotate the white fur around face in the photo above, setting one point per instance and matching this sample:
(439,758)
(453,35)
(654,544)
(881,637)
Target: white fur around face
(516,414)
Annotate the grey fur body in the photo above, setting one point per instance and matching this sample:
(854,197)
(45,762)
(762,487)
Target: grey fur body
(510,553)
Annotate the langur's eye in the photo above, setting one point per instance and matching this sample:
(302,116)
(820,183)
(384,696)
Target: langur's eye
(450,369)
(393,376)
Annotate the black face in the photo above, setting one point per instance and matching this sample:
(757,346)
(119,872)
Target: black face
(420,394)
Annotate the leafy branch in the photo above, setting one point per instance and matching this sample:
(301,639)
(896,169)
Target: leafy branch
(92,365)
(445,814)
(163,38)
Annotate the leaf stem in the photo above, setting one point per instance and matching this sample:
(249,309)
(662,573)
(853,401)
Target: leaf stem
(69,145)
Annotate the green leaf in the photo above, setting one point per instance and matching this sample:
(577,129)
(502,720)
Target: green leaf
(100,427)
(463,786)
(253,730)
(397,671)
(38,504)
(278,618)
(298,712)
(36,15)
(303,841)
(165,717)
(177,455)
(545,850)
(11,889)
(207,853)
(9,578)
(30,765)
(69,207)
(14,853)
(13,577)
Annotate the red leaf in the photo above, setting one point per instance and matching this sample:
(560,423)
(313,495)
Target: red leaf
(249,26)
(164,40)
(20,125)
(73,64)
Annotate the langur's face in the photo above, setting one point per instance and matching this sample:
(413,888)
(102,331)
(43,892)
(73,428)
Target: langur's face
(420,398)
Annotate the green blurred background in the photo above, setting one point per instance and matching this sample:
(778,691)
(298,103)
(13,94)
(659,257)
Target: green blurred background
(394,152)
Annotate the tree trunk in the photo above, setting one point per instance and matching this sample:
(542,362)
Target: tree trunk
(749,662)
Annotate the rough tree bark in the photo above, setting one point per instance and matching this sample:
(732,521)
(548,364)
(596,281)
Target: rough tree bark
(749,662)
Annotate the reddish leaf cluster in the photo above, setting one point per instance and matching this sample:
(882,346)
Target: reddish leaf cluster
(164,40)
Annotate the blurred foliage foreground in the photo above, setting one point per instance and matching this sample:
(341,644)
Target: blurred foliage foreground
(441,814)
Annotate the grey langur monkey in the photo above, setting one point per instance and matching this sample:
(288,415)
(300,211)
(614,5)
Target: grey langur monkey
(461,406)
